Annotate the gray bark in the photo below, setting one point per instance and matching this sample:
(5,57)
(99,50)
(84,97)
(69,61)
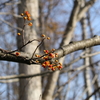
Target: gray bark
(76,15)
(87,71)
(29,89)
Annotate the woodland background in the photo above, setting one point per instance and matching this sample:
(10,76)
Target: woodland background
(63,21)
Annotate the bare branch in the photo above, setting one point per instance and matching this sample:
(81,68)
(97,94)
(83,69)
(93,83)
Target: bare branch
(10,24)
(81,57)
(85,9)
(78,46)
(64,50)
(71,24)
(93,93)
(21,76)
(24,76)
(10,13)
(9,81)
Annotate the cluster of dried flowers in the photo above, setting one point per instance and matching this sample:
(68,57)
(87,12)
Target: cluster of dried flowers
(48,55)
(27,17)
(51,65)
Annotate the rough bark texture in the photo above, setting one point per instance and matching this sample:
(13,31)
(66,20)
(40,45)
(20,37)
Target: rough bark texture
(76,15)
(94,75)
(30,89)
(87,71)
(62,51)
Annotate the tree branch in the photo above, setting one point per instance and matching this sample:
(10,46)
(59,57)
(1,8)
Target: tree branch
(3,79)
(62,51)
(85,8)
(21,76)
(93,93)
(67,49)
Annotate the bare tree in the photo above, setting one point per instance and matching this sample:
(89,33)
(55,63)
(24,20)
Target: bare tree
(31,90)
(43,20)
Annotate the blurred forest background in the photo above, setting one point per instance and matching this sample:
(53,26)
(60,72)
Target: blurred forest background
(63,21)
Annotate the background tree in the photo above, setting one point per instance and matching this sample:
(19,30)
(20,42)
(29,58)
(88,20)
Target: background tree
(33,91)
(63,21)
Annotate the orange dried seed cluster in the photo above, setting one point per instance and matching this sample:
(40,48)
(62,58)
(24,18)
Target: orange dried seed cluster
(48,38)
(43,35)
(29,18)
(22,14)
(37,61)
(26,15)
(50,65)
(52,55)
(46,51)
(18,33)
(53,49)
(25,18)
(46,57)
(30,24)
(37,55)
(17,53)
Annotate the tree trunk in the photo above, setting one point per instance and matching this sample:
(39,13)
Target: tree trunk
(76,15)
(29,89)
(87,71)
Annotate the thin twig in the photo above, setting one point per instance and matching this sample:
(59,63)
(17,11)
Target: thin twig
(93,93)
(37,47)
(23,40)
(22,76)
(25,45)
